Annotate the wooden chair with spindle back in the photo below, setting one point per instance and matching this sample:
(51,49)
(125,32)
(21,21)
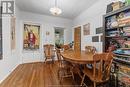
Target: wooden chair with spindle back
(59,57)
(65,68)
(75,67)
(91,49)
(100,72)
(49,52)
(66,47)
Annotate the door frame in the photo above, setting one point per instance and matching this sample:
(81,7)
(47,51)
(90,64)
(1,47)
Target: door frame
(80,34)
(60,28)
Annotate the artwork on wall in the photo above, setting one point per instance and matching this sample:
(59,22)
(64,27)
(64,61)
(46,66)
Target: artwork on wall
(95,38)
(1,48)
(99,30)
(86,29)
(101,38)
(12,21)
(47,33)
(31,37)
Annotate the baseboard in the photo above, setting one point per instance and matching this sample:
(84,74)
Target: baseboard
(9,73)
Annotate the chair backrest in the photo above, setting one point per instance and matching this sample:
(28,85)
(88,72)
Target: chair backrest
(102,66)
(66,47)
(49,50)
(91,49)
(58,54)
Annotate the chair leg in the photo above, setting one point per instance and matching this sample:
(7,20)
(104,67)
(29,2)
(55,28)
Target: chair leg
(72,75)
(53,61)
(45,60)
(94,84)
(59,64)
(82,80)
(61,80)
(59,76)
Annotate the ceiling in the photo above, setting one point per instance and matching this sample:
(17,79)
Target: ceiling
(70,8)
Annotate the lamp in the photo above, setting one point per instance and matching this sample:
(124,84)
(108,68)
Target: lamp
(55,10)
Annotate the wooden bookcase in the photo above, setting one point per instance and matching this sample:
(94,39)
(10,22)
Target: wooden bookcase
(117,38)
(116,29)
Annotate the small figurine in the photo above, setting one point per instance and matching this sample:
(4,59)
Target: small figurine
(121,31)
(108,24)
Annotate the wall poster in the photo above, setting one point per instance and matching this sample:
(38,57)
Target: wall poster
(86,29)
(31,37)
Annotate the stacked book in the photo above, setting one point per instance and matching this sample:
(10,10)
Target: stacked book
(113,33)
(127,31)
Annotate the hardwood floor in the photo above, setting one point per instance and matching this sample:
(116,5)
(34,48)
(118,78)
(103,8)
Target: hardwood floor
(36,75)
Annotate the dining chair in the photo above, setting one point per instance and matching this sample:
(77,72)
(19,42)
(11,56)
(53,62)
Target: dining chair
(49,52)
(65,68)
(66,47)
(100,72)
(91,49)
(59,56)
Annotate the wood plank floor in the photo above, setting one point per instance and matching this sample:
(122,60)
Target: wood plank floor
(36,75)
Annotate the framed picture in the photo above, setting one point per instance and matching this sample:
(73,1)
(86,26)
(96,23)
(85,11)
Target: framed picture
(31,37)
(99,30)
(1,39)
(95,39)
(101,38)
(86,29)
(13,19)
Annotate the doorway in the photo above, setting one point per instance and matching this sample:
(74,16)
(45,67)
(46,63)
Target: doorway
(77,39)
(59,37)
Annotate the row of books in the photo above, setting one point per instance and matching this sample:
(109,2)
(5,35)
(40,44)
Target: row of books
(122,32)
(127,31)
(113,33)
(124,76)
(119,20)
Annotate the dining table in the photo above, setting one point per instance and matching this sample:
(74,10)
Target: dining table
(78,57)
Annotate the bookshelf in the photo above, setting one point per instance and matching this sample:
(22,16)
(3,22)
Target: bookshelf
(117,39)
(117,29)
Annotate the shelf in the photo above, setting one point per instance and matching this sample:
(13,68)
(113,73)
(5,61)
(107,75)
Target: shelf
(116,36)
(124,74)
(122,62)
(125,48)
(117,11)
(121,55)
(115,31)
(115,28)
(122,80)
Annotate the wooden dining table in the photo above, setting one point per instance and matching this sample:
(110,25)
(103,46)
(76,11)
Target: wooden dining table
(78,57)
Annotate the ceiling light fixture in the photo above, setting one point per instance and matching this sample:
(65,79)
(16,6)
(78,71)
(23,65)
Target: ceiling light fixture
(55,10)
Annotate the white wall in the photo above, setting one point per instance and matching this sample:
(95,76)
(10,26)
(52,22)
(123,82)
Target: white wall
(47,24)
(10,57)
(94,16)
